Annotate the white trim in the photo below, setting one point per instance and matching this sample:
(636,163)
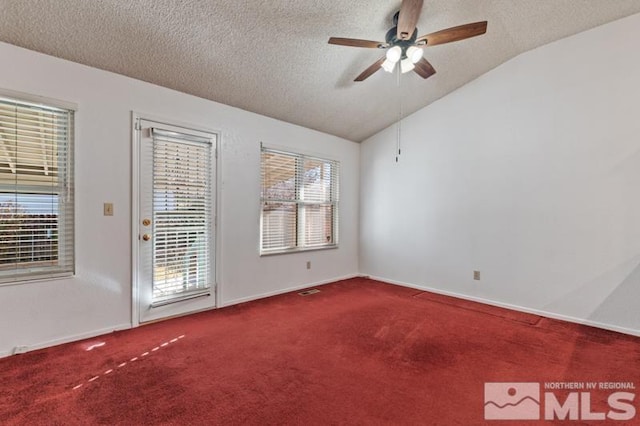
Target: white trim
(177,123)
(38,279)
(217,218)
(82,336)
(87,335)
(286,290)
(216,196)
(297,250)
(135,182)
(71,338)
(285,149)
(41,101)
(510,306)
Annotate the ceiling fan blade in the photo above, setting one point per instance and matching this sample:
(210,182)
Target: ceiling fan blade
(372,69)
(424,69)
(354,42)
(408,18)
(460,32)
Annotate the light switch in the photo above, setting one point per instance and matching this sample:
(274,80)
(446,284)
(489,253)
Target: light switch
(108,209)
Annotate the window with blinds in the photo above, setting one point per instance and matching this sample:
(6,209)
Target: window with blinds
(36,191)
(299,202)
(181,216)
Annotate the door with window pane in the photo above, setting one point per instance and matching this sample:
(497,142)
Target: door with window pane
(176,262)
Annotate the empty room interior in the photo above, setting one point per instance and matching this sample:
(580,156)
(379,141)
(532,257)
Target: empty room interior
(318,212)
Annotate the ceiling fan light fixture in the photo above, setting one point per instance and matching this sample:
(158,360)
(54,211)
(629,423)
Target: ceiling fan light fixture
(394,54)
(403,45)
(406,65)
(388,65)
(414,53)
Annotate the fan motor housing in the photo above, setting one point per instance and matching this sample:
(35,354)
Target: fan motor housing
(392,39)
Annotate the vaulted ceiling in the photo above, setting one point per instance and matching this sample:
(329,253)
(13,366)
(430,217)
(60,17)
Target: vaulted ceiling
(272,57)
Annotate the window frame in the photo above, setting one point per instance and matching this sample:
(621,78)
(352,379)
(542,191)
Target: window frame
(32,272)
(301,204)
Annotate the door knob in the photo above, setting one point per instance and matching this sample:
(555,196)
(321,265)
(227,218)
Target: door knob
(146,237)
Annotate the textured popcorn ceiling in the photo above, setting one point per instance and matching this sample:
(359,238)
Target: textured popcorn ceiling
(272,57)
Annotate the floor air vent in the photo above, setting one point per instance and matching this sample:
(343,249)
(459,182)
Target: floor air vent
(309,292)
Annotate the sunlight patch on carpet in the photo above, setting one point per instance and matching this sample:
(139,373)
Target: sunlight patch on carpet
(135,358)
(89,346)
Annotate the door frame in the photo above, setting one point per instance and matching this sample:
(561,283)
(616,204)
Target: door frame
(135,205)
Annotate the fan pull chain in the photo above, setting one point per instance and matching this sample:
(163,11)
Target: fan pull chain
(399,127)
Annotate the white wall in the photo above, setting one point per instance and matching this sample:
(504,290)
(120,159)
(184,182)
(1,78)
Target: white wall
(98,298)
(530,174)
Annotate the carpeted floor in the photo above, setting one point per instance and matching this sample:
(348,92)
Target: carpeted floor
(359,352)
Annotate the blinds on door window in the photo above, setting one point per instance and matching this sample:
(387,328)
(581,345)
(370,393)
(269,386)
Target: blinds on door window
(36,191)
(181,216)
(299,202)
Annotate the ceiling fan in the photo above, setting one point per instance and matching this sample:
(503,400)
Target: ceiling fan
(403,45)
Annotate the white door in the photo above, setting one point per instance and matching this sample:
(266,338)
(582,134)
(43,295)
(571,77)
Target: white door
(176,216)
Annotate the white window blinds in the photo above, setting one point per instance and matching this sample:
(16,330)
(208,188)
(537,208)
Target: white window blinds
(299,202)
(181,216)
(36,191)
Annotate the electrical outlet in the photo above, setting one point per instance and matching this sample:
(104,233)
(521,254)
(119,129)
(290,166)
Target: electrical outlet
(476,275)
(308,264)
(108,209)
(20,349)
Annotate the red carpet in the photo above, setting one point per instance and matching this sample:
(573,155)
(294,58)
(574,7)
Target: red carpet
(358,352)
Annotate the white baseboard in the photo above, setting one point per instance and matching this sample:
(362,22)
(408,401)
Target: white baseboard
(94,333)
(69,339)
(546,314)
(286,290)
(553,315)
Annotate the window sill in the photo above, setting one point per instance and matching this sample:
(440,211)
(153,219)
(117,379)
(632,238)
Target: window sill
(297,250)
(7,282)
